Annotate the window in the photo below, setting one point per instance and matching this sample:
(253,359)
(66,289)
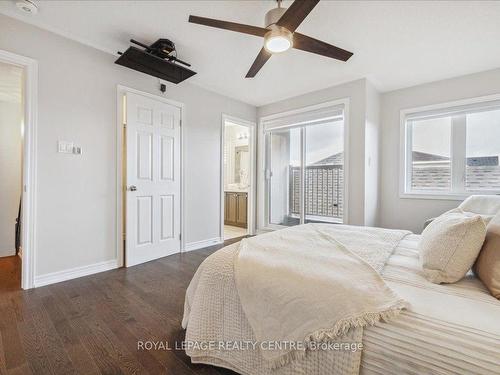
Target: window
(305,167)
(452,151)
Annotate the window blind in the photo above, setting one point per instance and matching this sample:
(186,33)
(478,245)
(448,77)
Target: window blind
(313,117)
(455,111)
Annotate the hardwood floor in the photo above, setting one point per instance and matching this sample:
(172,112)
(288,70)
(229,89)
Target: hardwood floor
(10,273)
(91,325)
(231,232)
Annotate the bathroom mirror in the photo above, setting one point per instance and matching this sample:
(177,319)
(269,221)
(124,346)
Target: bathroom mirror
(241,163)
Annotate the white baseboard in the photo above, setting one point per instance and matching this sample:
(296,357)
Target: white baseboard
(201,244)
(73,273)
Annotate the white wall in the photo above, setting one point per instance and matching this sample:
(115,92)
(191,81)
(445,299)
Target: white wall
(76,218)
(406,213)
(10,173)
(372,154)
(359,94)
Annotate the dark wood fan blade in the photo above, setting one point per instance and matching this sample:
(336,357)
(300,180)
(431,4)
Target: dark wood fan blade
(296,13)
(232,26)
(308,44)
(259,62)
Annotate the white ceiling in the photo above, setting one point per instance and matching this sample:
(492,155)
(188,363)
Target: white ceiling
(395,44)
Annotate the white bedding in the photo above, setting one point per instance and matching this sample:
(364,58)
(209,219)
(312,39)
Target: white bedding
(448,329)
(313,283)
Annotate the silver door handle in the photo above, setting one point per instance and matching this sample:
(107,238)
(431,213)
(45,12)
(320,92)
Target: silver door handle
(132,188)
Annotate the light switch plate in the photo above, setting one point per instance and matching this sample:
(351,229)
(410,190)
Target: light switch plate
(65,147)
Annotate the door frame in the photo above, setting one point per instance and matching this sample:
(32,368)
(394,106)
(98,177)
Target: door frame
(29,165)
(251,204)
(263,224)
(121,90)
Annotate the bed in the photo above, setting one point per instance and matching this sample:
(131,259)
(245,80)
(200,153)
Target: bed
(448,329)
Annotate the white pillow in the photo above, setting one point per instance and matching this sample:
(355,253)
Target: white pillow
(486,205)
(486,218)
(450,245)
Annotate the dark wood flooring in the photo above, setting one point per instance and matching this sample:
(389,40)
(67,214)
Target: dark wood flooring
(10,273)
(91,325)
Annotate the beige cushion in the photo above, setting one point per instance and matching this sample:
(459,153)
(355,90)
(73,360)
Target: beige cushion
(487,266)
(450,245)
(486,218)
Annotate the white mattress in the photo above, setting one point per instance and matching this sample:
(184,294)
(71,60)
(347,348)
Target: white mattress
(448,329)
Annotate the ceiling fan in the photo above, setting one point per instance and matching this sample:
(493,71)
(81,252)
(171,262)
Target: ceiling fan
(279,34)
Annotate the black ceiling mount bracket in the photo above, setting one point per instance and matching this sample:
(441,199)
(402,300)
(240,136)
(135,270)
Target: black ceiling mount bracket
(158,60)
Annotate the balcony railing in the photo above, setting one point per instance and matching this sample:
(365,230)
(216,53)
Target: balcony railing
(323,192)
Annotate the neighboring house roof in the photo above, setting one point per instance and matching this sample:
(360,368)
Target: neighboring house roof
(482,161)
(335,159)
(422,156)
(429,172)
(483,172)
(479,161)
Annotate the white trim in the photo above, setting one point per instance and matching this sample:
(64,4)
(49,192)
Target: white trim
(458,155)
(347,168)
(120,233)
(331,103)
(30,67)
(73,273)
(262,205)
(447,105)
(310,117)
(252,191)
(405,191)
(435,195)
(120,91)
(204,243)
(151,96)
(302,201)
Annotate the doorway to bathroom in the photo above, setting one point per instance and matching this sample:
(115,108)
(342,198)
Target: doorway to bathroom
(238,178)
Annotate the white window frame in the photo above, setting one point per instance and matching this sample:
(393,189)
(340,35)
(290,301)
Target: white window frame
(263,224)
(457,110)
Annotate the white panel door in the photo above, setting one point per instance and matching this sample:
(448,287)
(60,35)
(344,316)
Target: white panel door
(153,179)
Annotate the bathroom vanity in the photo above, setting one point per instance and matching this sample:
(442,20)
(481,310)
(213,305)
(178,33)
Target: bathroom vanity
(236,208)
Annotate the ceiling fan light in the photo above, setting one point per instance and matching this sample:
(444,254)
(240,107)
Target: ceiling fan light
(278,40)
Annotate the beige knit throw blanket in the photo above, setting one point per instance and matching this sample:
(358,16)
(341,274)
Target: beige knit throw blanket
(312,283)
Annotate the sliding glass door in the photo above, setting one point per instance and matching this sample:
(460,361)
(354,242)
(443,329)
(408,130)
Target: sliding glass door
(284,184)
(324,172)
(305,171)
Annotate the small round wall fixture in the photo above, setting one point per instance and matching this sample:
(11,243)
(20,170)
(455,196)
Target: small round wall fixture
(27,6)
